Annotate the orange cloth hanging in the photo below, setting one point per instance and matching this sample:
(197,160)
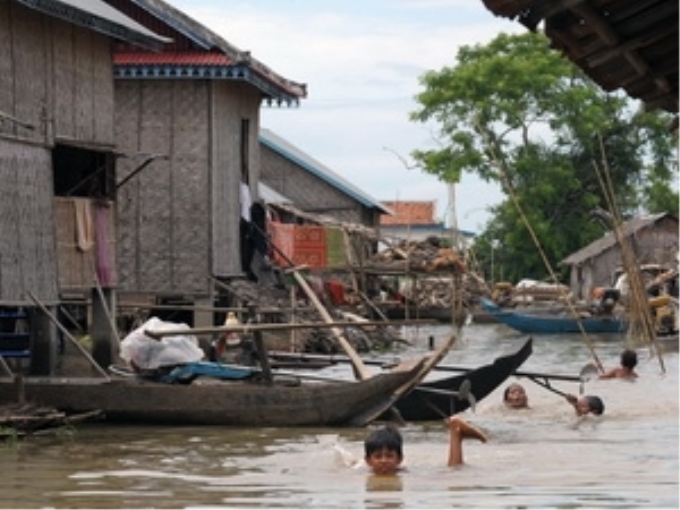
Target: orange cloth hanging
(282,236)
(84,224)
(309,246)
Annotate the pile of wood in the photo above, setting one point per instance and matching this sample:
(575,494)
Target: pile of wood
(21,419)
(423,256)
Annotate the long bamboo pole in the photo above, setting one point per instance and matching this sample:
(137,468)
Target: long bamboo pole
(248,328)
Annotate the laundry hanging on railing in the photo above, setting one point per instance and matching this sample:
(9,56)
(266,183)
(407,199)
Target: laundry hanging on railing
(315,246)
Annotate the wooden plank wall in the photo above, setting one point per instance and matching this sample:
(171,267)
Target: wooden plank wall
(58,78)
(233,102)
(55,76)
(180,214)
(27,251)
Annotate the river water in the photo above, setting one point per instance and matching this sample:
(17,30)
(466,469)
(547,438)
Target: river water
(542,457)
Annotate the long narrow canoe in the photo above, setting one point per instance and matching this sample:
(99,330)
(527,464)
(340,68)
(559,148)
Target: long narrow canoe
(437,399)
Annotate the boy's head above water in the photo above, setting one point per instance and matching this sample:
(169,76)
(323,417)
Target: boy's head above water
(383,450)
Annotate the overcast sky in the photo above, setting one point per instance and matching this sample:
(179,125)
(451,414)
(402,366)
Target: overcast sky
(361,60)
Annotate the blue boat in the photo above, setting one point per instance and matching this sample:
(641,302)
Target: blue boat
(544,321)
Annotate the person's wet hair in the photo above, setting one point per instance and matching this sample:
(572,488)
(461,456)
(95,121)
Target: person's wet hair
(512,386)
(595,404)
(387,438)
(629,358)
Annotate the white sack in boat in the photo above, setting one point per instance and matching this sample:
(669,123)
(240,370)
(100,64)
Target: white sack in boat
(146,353)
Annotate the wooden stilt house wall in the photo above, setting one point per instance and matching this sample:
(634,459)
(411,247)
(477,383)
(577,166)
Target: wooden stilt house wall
(56,92)
(193,109)
(56,149)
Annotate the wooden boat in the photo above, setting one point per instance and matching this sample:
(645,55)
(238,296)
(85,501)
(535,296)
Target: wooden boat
(536,321)
(438,399)
(286,401)
(206,393)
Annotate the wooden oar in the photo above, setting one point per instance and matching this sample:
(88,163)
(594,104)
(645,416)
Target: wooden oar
(334,358)
(464,392)
(587,373)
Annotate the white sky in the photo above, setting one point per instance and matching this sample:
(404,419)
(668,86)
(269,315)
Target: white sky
(361,60)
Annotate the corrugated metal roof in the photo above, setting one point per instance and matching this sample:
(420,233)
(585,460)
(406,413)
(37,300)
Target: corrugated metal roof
(608,240)
(305,161)
(100,17)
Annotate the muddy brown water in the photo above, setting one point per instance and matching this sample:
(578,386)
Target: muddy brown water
(541,457)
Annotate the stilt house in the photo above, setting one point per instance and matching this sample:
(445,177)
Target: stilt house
(57,146)
(187,123)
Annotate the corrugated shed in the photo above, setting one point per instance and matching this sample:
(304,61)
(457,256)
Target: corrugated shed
(608,241)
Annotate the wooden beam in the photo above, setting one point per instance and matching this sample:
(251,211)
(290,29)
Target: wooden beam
(249,328)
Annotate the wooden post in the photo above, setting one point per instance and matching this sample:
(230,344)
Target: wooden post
(43,344)
(104,338)
(20,388)
(261,348)
(293,332)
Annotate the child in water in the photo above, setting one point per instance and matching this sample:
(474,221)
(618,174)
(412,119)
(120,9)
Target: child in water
(626,370)
(515,397)
(383,447)
(586,404)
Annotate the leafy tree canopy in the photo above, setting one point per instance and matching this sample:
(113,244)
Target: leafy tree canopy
(516,112)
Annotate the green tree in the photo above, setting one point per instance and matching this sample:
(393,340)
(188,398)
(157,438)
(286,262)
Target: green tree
(516,112)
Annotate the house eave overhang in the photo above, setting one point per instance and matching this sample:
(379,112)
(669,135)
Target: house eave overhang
(97,16)
(272,94)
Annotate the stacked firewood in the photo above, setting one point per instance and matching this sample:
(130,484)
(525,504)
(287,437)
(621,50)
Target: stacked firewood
(427,256)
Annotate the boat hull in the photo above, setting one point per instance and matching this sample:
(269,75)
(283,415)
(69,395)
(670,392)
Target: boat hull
(547,323)
(215,402)
(424,403)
